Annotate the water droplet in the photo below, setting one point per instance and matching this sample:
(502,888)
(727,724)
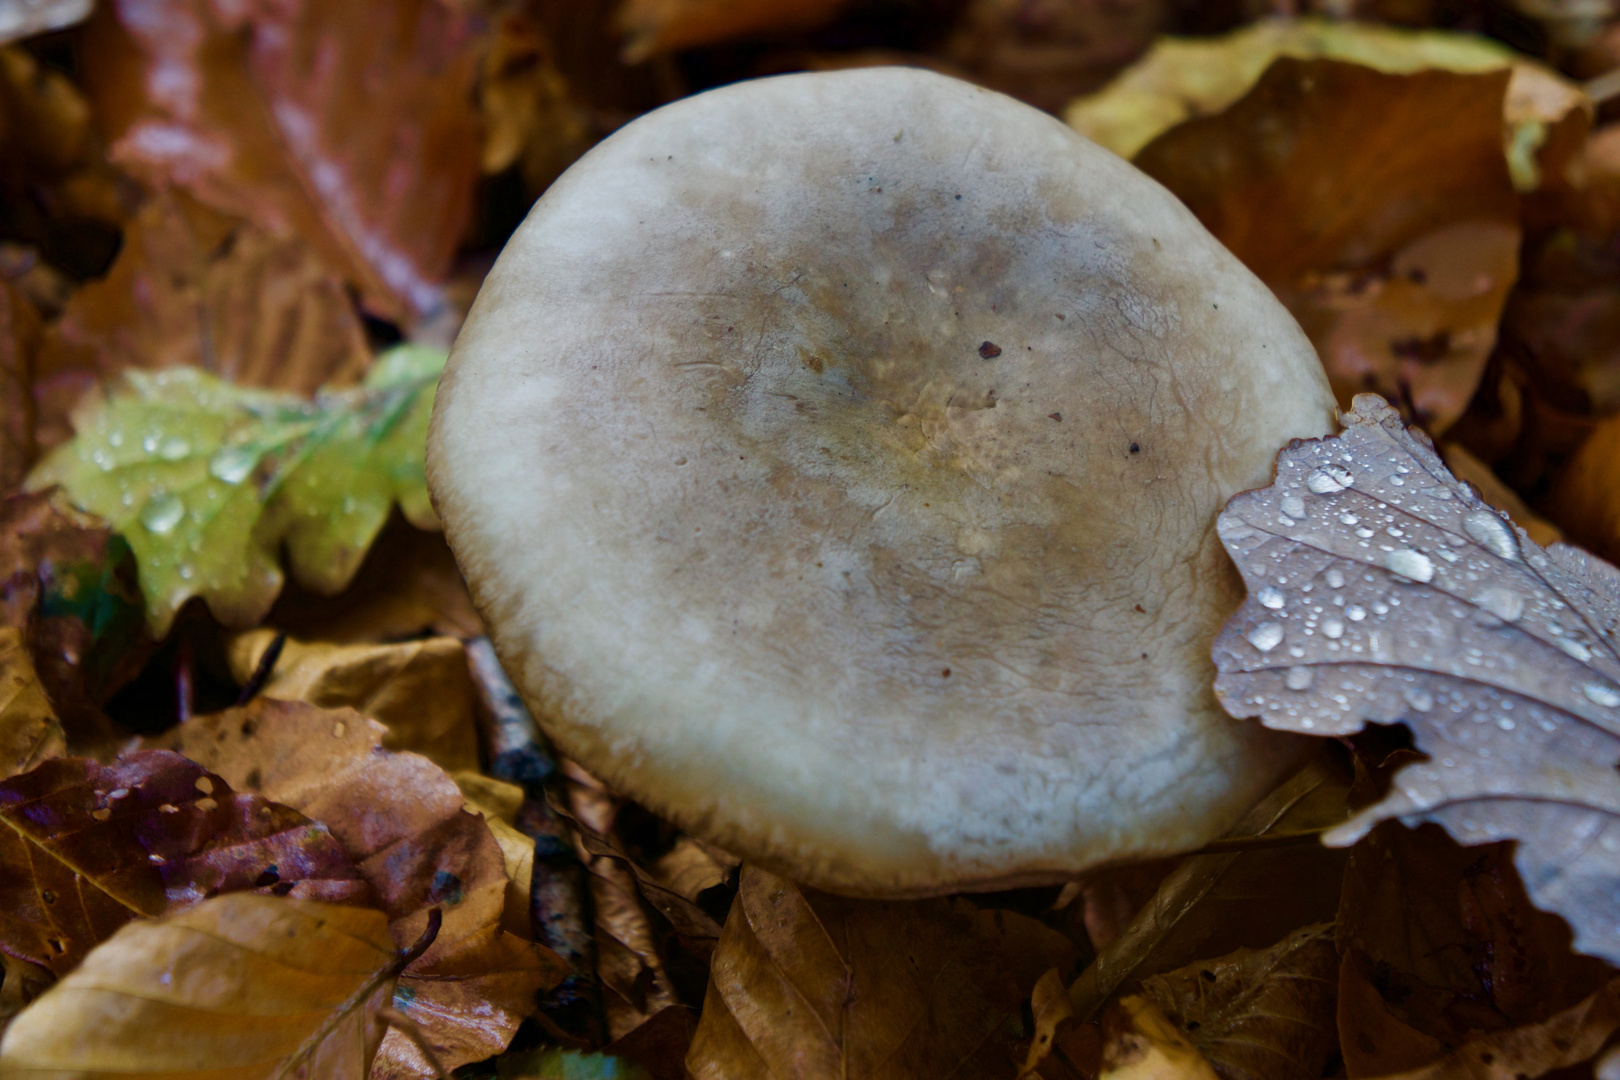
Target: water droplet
(1348,518)
(173,448)
(1493,534)
(1574,648)
(1505,723)
(115,437)
(1364,533)
(162,513)
(1410,564)
(232,464)
(150,443)
(1600,694)
(1356,612)
(1504,603)
(1333,628)
(1334,577)
(1293,504)
(1272,597)
(1419,698)
(1266,636)
(185,571)
(1299,678)
(1397,481)
(1328,479)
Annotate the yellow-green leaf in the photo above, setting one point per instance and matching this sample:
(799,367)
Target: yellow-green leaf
(207,481)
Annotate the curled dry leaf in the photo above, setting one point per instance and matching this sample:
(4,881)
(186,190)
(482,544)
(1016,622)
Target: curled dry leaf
(1139,1043)
(420,690)
(1377,206)
(662,26)
(192,287)
(1258,1014)
(85,848)
(351,126)
(1383,590)
(401,820)
(239,986)
(29,731)
(207,481)
(809,984)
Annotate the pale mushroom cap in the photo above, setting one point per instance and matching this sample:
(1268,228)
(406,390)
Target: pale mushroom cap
(772,548)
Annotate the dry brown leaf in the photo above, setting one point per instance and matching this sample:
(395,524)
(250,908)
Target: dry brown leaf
(351,126)
(808,984)
(499,803)
(196,288)
(1378,207)
(1383,590)
(239,986)
(1373,1041)
(29,731)
(1586,496)
(401,820)
(1258,1014)
(420,690)
(1049,1005)
(1141,1044)
(652,27)
(19,341)
(530,116)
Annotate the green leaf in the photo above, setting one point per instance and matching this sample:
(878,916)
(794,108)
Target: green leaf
(207,481)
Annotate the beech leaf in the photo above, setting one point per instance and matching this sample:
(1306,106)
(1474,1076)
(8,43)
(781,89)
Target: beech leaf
(1383,590)
(207,480)
(239,986)
(29,732)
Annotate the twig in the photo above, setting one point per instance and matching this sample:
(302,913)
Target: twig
(262,671)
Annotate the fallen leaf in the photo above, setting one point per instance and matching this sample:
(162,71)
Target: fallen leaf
(1049,1005)
(531,118)
(660,1045)
(499,803)
(401,820)
(351,126)
(1583,498)
(555,1063)
(29,731)
(25,18)
(1382,590)
(1182,79)
(1258,1014)
(207,480)
(20,983)
(1378,207)
(88,847)
(1373,1041)
(1470,470)
(420,690)
(238,986)
(70,586)
(808,984)
(192,287)
(19,341)
(1141,1044)
(652,27)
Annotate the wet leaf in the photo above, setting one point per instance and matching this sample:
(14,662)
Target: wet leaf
(207,480)
(1258,1014)
(652,27)
(1378,207)
(238,986)
(809,984)
(401,820)
(19,341)
(192,287)
(1382,590)
(1470,470)
(1182,79)
(25,18)
(29,731)
(499,804)
(88,847)
(420,690)
(1141,1044)
(351,126)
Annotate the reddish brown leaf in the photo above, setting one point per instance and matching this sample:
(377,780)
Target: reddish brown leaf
(87,847)
(401,819)
(193,287)
(29,731)
(1377,206)
(661,26)
(350,125)
(19,340)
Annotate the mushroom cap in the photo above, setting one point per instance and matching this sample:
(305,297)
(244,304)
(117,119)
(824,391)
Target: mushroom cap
(835,460)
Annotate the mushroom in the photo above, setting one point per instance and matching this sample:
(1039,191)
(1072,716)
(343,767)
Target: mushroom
(835,460)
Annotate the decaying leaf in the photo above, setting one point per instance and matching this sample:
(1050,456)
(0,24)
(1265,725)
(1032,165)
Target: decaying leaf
(25,18)
(351,126)
(1141,1044)
(240,986)
(1183,79)
(1258,1014)
(420,690)
(19,340)
(1377,206)
(1382,590)
(530,116)
(193,287)
(1050,1007)
(86,847)
(29,731)
(207,480)
(661,26)
(1586,498)
(499,803)
(401,820)
(808,984)
(1470,470)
